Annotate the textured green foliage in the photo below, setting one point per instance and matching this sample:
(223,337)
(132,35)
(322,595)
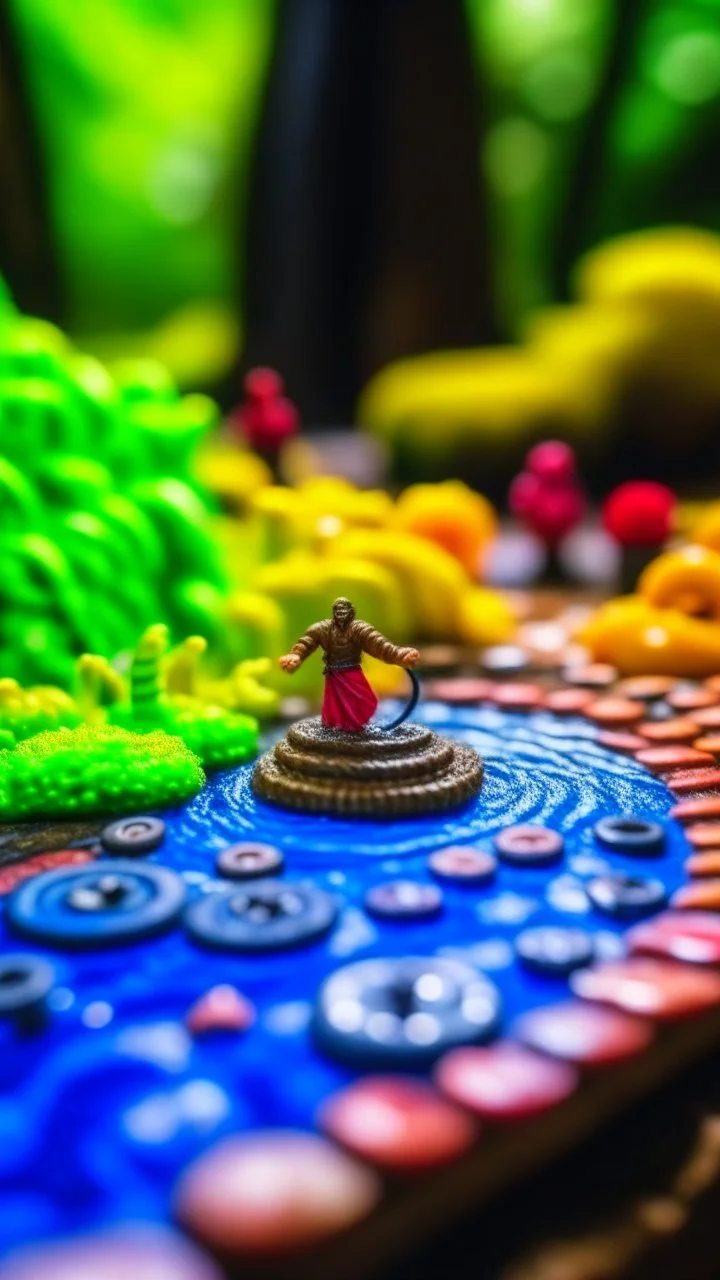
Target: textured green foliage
(26,712)
(219,738)
(103,528)
(95,769)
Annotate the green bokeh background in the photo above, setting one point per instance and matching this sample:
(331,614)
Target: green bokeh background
(603,117)
(145,112)
(595,117)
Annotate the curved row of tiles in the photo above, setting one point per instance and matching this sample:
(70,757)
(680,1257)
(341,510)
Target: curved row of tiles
(669,726)
(272,1192)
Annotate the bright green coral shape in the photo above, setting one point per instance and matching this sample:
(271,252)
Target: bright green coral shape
(219,737)
(102,526)
(95,769)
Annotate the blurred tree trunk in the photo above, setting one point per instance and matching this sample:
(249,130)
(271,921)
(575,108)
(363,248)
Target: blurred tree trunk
(366,239)
(27,259)
(581,225)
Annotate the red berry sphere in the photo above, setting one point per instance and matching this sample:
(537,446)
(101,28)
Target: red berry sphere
(546,496)
(266,418)
(640,513)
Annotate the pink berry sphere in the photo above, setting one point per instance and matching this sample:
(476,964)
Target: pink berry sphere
(266,418)
(553,462)
(546,496)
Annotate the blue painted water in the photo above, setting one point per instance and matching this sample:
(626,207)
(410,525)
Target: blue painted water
(99,1112)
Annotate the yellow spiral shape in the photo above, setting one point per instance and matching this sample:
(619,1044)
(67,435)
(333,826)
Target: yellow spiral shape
(687,580)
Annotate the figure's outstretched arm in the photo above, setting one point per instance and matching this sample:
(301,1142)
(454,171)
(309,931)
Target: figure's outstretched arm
(378,646)
(301,650)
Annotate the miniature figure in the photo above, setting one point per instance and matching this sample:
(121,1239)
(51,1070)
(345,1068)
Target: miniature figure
(338,762)
(349,701)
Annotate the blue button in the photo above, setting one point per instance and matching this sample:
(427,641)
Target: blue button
(132,837)
(266,915)
(553,949)
(249,861)
(403,1012)
(25,981)
(404,900)
(100,904)
(626,897)
(627,834)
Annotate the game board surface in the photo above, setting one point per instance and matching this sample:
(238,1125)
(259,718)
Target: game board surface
(103,1107)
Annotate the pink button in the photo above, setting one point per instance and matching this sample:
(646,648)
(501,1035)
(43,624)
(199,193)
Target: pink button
(515,696)
(568,702)
(678,730)
(693,936)
(583,1033)
(692,699)
(397,1123)
(504,1082)
(704,864)
(272,1192)
(703,895)
(656,988)
(685,782)
(461,690)
(698,807)
(222,1008)
(704,835)
(665,759)
(615,740)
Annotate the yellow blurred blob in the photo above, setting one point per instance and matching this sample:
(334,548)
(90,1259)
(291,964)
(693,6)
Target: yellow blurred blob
(198,343)
(706,531)
(671,627)
(452,515)
(662,263)
(642,338)
(497,393)
(593,348)
(232,473)
(687,580)
(486,617)
(428,580)
(244,689)
(314,513)
(672,276)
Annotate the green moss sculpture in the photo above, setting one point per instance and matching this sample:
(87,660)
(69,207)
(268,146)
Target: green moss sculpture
(220,738)
(95,768)
(103,526)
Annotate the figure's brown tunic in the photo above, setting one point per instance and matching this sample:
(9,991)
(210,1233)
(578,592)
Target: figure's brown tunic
(344,646)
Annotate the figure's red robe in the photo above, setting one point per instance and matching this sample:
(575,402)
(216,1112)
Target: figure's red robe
(349,701)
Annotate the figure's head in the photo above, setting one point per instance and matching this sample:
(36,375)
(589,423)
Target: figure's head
(343,612)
